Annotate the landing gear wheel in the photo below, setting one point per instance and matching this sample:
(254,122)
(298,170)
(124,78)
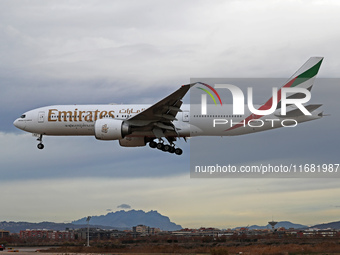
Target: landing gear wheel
(40,146)
(153,144)
(167,148)
(172,150)
(160,146)
(178,151)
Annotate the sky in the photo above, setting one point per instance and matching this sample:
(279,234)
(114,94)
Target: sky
(100,52)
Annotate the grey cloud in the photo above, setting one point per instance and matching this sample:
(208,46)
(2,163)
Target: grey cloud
(124,206)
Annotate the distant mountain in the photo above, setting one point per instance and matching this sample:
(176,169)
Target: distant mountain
(332,225)
(16,227)
(285,224)
(128,219)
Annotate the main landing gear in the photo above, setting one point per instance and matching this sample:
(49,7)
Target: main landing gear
(40,144)
(165,147)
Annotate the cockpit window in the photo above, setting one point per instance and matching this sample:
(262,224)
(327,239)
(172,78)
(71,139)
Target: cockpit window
(23,116)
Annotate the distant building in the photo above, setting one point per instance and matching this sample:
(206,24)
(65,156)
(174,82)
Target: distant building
(99,234)
(145,230)
(200,232)
(47,234)
(4,233)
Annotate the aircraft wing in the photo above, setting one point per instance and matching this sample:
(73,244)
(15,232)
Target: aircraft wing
(162,112)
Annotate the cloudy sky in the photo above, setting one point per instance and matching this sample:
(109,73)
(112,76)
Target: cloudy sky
(78,52)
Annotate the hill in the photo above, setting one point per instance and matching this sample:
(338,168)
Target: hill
(332,225)
(15,227)
(284,224)
(128,219)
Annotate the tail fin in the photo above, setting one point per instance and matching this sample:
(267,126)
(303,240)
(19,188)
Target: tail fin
(304,77)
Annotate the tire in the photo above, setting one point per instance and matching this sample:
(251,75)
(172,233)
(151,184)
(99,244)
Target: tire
(178,151)
(160,146)
(167,148)
(152,144)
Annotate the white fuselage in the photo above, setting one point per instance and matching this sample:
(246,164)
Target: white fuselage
(79,120)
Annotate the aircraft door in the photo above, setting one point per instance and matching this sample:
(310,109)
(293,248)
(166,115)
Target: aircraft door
(186,116)
(41,117)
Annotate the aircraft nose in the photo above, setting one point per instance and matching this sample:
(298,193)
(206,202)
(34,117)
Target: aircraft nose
(19,123)
(15,123)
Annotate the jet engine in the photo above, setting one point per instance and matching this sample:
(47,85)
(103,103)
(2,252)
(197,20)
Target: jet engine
(111,129)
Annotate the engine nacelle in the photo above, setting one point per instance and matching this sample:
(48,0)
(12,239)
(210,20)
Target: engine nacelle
(132,142)
(111,129)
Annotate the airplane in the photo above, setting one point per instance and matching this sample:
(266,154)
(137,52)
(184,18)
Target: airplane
(169,119)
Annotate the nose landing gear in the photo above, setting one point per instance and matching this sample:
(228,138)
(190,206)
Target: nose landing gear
(40,144)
